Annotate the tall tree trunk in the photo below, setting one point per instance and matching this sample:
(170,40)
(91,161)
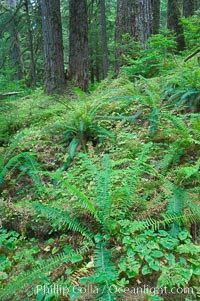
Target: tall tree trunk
(15,52)
(124,24)
(104,39)
(156,16)
(173,22)
(134,18)
(189,7)
(31,48)
(142,26)
(78,44)
(53,47)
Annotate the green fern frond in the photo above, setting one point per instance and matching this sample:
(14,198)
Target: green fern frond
(179,125)
(85,201)
(188,217)
(177,200)
(24,160)
(173,155)
(32,277)
(103,193)
(105,274)
(61,220)
(153,118)
(189,171)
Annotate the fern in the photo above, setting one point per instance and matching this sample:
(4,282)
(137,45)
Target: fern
(105,275)
(24,161)
(164,222)
(189,171)
(61,220)
(173,155)
(85,201)
(179,125)
(103,193)
(26,279)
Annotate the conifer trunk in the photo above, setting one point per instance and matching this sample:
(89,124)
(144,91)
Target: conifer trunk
(134,18)
(15,52)
(53,47)
(189,7)
(78,44)
(156,16)
(173,22)
(31,47)
(104,39)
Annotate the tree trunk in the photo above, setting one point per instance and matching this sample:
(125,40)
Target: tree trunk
(134,18)
(189,7)
(78,44)
(53,47)
(104,39)
(142,26)
(156,16)
(15,52)
(173,22)
(31,48)
(124,23)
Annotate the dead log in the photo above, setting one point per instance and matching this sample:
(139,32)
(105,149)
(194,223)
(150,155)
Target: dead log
(4,95)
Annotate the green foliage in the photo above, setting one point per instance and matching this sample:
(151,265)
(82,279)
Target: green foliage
(23,163)
(183,89)
(82,128)
(105,275)
(113,221)
(156,59)
(61,220)
(7,84)
(151,253)
(191,30)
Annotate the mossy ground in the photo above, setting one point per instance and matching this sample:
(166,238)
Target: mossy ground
(148,128)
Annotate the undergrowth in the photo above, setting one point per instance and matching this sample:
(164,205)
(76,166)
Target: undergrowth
(123,212)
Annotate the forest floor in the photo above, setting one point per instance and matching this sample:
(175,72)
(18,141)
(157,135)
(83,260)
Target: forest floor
(89,174)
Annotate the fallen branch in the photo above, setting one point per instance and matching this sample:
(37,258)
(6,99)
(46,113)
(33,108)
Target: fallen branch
(191,55)
(3,95)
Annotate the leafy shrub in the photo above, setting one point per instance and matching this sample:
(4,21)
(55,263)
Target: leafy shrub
(191,30)
(156,59)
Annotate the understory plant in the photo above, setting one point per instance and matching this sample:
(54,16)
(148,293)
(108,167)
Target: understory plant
(12,161)
(113,251)
(82,128)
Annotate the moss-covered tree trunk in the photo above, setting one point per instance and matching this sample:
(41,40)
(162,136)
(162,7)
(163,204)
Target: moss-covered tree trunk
(78,44)
(53,47)
(173,22)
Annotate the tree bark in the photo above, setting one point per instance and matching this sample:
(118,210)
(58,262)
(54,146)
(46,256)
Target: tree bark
(104,39)
(133,18)
(142,26)
(15,52)
(31,48)
(156,16)
(53,47)
(173,22)
(78,44)
(189,7)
